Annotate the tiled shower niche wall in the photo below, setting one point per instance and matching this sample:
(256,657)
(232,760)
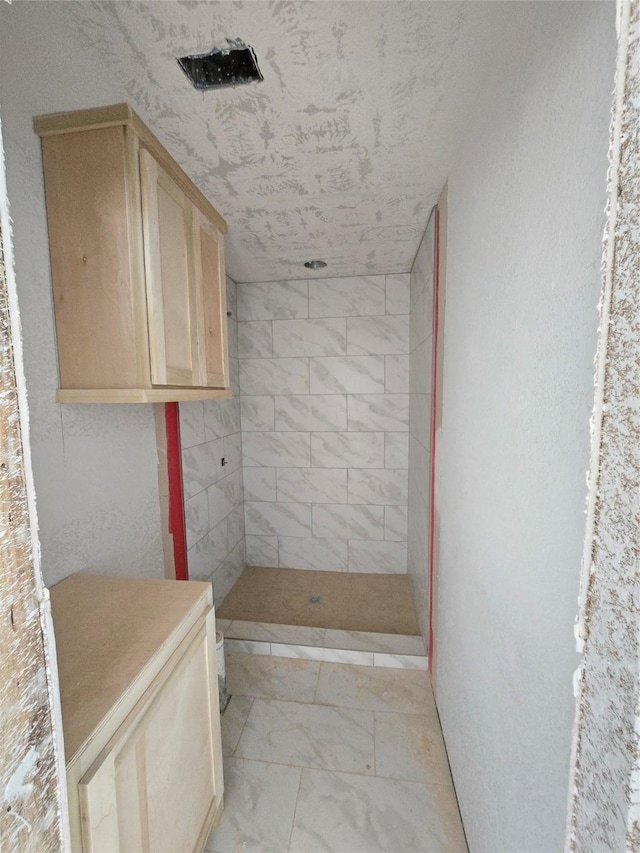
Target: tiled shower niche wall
(213,501)
(324,400)
(421,362)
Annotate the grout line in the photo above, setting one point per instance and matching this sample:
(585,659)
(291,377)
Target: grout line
(295,809)
(243,725)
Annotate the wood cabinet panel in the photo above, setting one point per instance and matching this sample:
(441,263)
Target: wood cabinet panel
(95,310)
(167,221)
(137,263)
(211,287)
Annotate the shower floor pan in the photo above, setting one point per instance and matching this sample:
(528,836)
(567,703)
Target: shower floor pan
(321,610)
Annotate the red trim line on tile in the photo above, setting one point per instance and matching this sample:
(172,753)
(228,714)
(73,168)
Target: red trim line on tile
(176,502)
(434,405)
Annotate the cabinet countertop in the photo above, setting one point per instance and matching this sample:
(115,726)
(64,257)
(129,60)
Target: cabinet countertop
(108,630)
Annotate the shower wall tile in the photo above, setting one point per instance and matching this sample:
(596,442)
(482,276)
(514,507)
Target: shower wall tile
(273,300)
(257,413)
(422,370)
(347,375)
(235,525)
(421,322)
(260,484)
(381,486)
(196,518)
(326,413)
(325,555)
(420,388)
(324,407)
(347,297)
(347,449)
(224,496)
(214,512)
(232,447)
(396,374)
(262,550)
(381,557)
(378,412)
(420,419)
(395,523)
(201,466)
(191,423)
(221,418)
(396,449)
(255,339)
(273,449)
(210,550)
(343,521)
(309,337)
(378,335)
(397,293)
(277,519)
(274,376)
(227,573)
(312,485)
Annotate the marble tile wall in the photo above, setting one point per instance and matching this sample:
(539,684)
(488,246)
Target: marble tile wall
(213,492)
(324,406)
(420,388)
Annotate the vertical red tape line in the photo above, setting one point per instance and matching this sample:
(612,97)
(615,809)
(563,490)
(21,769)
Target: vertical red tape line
(434,407)
(176,503)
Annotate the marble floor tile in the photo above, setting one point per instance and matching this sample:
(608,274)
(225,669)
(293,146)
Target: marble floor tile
(260,676)
(338,812)
(259,805)
(406,691)
(410,747)
(232,722)
(305,735)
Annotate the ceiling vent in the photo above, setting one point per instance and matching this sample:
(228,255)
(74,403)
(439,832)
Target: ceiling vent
(221,67)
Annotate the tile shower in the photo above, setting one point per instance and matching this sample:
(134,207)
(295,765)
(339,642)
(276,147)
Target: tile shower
(331,381)
(324,401)
(213,498)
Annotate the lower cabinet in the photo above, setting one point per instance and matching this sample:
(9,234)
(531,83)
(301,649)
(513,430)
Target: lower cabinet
(152,780)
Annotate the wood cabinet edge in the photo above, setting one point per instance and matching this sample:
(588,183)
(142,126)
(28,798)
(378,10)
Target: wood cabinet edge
(123,114)
(141,395)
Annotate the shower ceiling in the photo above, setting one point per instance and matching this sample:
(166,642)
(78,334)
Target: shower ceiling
(341,151)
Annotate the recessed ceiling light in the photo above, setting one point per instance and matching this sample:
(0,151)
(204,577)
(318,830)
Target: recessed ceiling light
(315,265)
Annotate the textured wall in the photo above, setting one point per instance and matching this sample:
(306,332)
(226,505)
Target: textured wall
(420,390)
(31,800)
(604,809)
(95,467)
(214,510)
(324,381)
(526,200)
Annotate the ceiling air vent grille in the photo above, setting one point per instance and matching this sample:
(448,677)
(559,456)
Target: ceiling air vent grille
(232,65)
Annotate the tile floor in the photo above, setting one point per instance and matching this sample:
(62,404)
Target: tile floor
(333,757)
(351,602)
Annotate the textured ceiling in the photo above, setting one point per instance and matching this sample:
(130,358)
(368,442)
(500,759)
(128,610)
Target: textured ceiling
(343,149)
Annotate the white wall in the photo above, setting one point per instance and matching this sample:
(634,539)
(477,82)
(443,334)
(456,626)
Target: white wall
(95,467)
(214,503)
(525,203)
(324,381)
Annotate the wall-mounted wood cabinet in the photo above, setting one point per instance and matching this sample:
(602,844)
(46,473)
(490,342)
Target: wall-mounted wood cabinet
(137,264)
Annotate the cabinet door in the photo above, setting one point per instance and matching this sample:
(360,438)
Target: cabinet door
(157,784)
(171,300)
(208,259)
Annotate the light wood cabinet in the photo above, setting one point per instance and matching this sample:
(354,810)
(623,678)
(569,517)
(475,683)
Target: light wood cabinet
(137,264)
(140,715)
